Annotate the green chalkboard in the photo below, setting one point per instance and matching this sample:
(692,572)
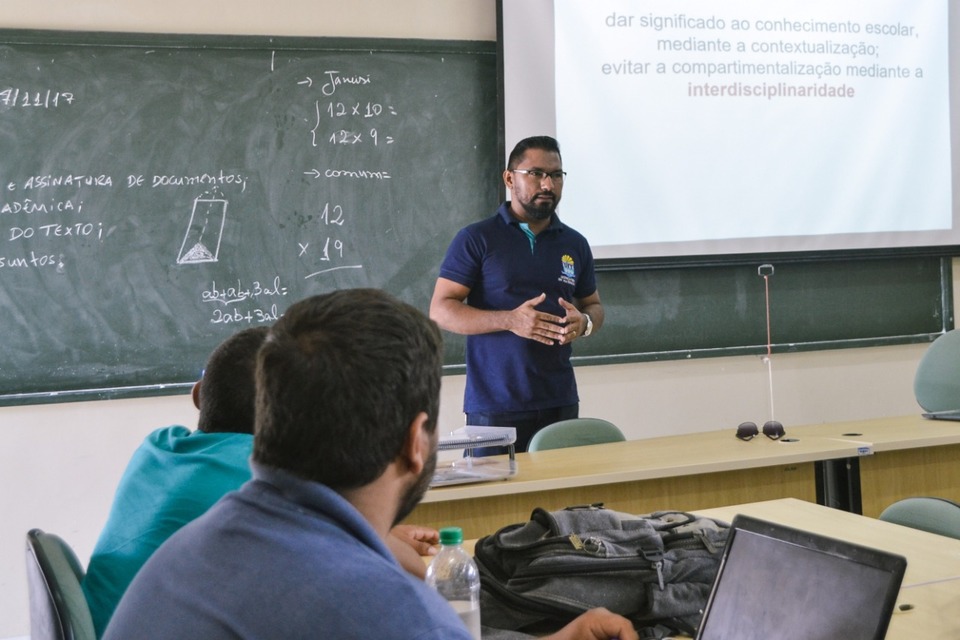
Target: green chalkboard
(721,310)
(158,193)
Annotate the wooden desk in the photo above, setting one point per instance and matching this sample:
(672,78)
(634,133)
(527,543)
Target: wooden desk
(911,456)
(931,585)
(885,459)
(685,472)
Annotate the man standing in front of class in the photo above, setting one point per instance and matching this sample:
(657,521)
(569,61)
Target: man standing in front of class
(521,286)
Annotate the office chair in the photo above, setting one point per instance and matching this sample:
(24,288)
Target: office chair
(58,608)
(936,515)
(936,383)
(575,432)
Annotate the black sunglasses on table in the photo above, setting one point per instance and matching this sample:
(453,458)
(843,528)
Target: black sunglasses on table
(772,429)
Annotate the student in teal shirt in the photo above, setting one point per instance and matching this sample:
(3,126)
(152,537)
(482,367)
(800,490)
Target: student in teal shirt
(176,474)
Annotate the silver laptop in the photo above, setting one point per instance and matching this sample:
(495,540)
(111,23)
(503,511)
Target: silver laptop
(779,582)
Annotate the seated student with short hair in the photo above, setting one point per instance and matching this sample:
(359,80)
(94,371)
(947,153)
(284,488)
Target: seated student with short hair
(177,474)
(348,388)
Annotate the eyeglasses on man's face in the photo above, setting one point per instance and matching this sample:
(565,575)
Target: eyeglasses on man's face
(540,174)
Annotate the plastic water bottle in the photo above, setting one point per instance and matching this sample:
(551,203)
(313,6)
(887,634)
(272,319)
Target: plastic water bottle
(454,574)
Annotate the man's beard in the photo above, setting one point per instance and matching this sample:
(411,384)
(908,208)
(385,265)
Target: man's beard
(539,211)
(417,490)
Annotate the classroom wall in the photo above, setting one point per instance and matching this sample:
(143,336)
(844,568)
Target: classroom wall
(59,463)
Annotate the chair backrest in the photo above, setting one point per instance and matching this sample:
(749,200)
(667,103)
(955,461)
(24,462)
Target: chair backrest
(58,607)
(575,432)
(936,383)
(936,515)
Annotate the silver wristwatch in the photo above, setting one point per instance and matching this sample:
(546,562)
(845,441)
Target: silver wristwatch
(589,328)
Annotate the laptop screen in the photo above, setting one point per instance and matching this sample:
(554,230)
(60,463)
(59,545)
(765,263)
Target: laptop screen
(778,582)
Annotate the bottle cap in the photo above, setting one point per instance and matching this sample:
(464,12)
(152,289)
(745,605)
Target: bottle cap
(451,535)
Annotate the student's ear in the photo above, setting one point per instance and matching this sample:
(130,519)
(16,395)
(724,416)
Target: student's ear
(196,394)
(419,444)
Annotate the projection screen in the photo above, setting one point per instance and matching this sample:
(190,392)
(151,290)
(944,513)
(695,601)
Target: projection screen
(724,127)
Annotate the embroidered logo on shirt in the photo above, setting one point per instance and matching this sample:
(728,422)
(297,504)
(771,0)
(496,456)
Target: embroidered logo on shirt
(569,273)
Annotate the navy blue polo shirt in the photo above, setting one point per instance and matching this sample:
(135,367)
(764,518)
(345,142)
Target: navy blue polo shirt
(496,260)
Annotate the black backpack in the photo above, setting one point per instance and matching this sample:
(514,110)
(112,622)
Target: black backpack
(656,570)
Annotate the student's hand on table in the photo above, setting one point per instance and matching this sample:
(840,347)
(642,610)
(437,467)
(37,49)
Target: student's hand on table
(597,624)
(422,539)
(409,543)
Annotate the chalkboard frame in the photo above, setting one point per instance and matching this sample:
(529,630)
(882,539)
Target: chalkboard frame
(142,40)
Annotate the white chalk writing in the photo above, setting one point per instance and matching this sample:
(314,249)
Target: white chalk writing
(334,80)
(46,99)
(239,292)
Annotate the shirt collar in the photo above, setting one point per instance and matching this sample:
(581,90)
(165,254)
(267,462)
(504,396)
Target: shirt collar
(507,217)
(319,499)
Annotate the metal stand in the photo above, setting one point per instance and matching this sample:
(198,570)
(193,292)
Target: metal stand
(838,484)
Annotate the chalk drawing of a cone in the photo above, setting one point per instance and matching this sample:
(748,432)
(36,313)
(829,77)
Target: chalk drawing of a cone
(201,243)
